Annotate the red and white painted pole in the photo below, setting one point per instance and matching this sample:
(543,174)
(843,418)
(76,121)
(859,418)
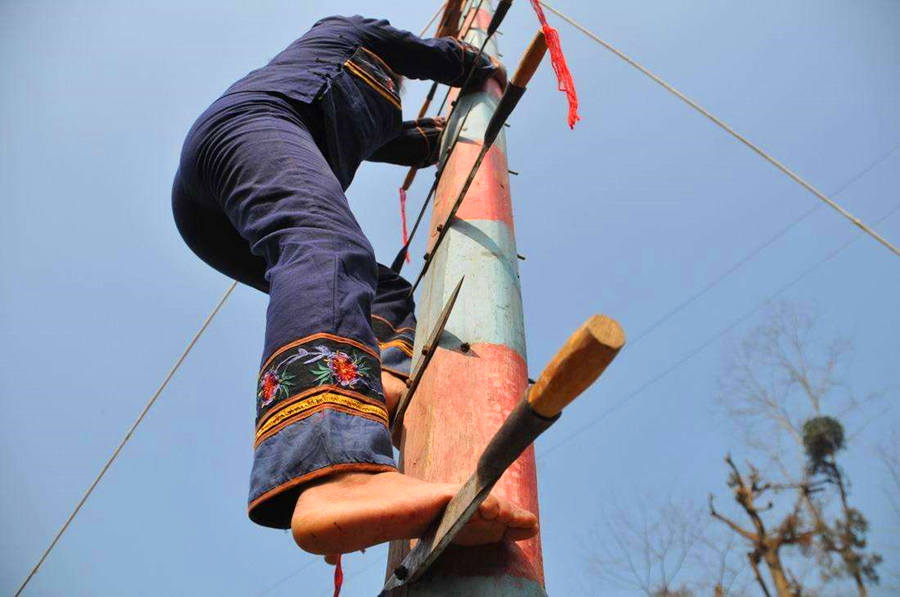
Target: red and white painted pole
(479,372)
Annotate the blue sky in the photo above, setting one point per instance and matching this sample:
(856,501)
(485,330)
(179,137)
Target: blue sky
(640,207)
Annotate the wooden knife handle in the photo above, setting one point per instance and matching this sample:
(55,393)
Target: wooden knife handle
(530,61)
(578,363)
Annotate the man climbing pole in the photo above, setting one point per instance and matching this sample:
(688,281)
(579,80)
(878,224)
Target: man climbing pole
(259,195)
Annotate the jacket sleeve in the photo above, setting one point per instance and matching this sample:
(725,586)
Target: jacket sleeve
(416,145)
(442,59)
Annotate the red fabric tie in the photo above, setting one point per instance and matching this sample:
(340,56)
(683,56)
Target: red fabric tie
(403,220)
(558,59)
(338,577)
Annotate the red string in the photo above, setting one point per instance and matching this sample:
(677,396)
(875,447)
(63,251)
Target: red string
(403,220)
(338,577)
(558,60)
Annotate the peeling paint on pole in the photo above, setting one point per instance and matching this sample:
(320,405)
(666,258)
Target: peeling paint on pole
(467,392)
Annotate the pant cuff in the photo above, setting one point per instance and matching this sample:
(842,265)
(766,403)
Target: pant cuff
(395,344)
(320,409)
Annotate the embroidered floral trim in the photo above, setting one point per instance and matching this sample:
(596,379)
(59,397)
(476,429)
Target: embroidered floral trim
(273,385)
(294,411)
(318,361)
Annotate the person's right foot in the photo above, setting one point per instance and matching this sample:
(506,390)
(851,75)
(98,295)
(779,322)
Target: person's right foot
(393,388)
(352,511)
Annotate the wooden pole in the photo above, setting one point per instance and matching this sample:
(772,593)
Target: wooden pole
(479,372)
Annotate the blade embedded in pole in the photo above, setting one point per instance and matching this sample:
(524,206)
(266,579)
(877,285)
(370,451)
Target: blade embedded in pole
(496,19)
(427,352)
(519,431)
(462,400)
(581,360)
(397,264)
(514,91)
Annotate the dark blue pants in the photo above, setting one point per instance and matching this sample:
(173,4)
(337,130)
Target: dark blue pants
(256,199)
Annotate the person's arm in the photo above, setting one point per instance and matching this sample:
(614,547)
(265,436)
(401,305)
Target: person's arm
(442,59)
(416,145)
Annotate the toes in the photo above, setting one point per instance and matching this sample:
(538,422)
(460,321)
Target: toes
(519,534)
(501,511)
(523,519)
(498,520)
(506,512)
(489,508)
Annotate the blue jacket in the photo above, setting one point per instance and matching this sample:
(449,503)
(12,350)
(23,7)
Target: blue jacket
(342,75)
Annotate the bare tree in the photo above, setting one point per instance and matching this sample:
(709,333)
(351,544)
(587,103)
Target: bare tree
(782,374)
(783,388)
(889,454)
(794,517)
(646,548)
(723,567)
(765,540)
(841,543)
(663,547)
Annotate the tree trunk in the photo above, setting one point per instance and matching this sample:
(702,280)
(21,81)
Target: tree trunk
(754,563)
(782,585)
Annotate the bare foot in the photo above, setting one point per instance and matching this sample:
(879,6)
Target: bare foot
(351,511)
(393,389)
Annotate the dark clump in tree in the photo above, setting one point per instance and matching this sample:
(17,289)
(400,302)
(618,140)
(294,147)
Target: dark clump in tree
(791,512)
(783,388)
(822,437)
(841,543)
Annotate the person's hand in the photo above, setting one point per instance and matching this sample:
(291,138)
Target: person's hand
(433,128)
(430,123)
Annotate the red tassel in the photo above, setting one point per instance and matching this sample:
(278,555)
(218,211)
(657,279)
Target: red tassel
(338,577)
(403,220)
(558,60)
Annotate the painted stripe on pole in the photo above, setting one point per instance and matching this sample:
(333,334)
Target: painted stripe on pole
(485,199)
(466,394)
(489,308)
(472,393)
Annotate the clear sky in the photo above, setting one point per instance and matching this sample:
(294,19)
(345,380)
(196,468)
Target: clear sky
(639,208)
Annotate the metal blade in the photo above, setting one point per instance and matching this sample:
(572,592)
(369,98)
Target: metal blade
(429,547)
(397,264)
(518,431)
(442,231)
(427,352)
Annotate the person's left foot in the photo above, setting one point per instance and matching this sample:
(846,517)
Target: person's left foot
(346,512)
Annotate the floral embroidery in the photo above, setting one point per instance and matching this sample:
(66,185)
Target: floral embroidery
(322,362)
(274,385)
(336,366)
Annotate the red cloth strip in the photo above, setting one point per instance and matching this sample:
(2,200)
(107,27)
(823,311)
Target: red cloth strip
(338,577)
(558,60)
(403,220)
